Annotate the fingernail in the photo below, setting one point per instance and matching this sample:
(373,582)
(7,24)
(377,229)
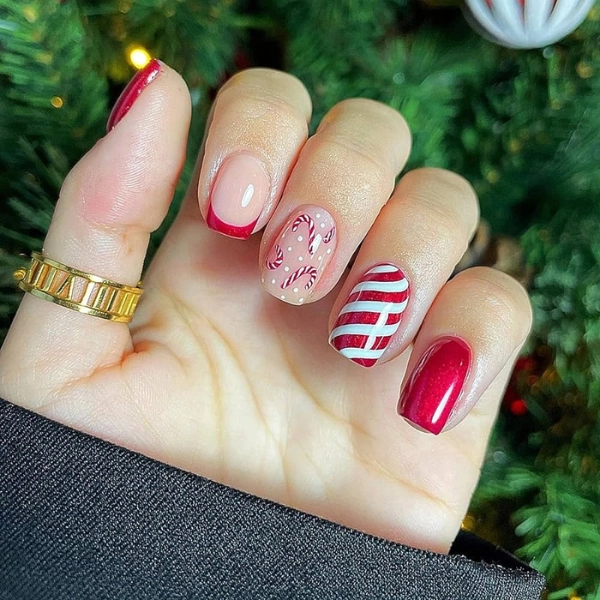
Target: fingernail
(371,315)
(140,81)
(300,254)
(239,194)
(435,384)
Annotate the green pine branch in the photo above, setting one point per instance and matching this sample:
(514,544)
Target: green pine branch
(199,39)
(50,94)
(52,109)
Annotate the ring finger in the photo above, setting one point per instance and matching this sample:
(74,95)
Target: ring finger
(408,255)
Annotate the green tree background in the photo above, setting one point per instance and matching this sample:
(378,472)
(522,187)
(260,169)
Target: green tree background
(522,126)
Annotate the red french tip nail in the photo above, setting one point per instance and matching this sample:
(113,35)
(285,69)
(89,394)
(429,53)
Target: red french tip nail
(239,233)
(239,195)
(435,384)
(140,81)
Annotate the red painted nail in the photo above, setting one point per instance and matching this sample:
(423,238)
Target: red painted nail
(140,81)
(371,315)
(238,233)
(435,384)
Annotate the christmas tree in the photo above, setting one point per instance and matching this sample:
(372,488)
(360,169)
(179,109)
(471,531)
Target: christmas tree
(522,125)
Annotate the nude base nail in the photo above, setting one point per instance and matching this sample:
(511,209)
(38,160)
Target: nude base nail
(239,195)
(300,255)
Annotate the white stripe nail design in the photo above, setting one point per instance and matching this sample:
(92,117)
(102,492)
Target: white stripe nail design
(361,353)
(390,308)
(381,286)
(385,291)
(384,269)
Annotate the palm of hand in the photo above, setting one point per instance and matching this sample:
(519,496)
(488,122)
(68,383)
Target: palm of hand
(221,379)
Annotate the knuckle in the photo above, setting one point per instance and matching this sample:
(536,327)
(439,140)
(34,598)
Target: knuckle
(436,242)
(261,109)
(447,178)
(275,88)
(443,216)
(505,298)
(373,111)
(450,192)
(374,125)
(346,152)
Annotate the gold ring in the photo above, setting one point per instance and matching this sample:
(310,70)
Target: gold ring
(77,290)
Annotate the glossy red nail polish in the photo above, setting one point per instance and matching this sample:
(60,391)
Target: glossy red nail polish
(435,384)
(140,81)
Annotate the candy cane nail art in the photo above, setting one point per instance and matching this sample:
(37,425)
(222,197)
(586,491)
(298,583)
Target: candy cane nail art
(300,273)
(300,254)
(274,264)
(371,315)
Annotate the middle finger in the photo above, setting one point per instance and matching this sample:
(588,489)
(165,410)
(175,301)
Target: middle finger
(344,175)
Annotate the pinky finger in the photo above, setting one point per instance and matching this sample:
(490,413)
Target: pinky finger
(476,326)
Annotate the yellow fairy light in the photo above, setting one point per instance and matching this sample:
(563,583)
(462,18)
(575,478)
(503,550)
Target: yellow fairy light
(584,70)
(493,176)
(138,56)
(56,101)
(30,14)
(124,6)
(469,523)
(514,146)
(45,57)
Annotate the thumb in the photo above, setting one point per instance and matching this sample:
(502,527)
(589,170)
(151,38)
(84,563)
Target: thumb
(109,204)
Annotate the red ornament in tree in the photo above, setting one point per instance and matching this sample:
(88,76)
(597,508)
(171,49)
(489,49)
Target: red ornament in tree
(518,407)
(525,367)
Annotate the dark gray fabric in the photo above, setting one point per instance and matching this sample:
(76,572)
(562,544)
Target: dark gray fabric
(81,518)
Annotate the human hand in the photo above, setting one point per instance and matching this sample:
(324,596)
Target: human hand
(218,377)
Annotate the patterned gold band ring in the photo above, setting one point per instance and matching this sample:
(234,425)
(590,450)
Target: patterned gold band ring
(77,290)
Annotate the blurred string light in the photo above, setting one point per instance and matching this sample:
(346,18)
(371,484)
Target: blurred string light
(138,56)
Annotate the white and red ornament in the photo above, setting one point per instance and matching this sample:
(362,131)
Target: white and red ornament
(527,23)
